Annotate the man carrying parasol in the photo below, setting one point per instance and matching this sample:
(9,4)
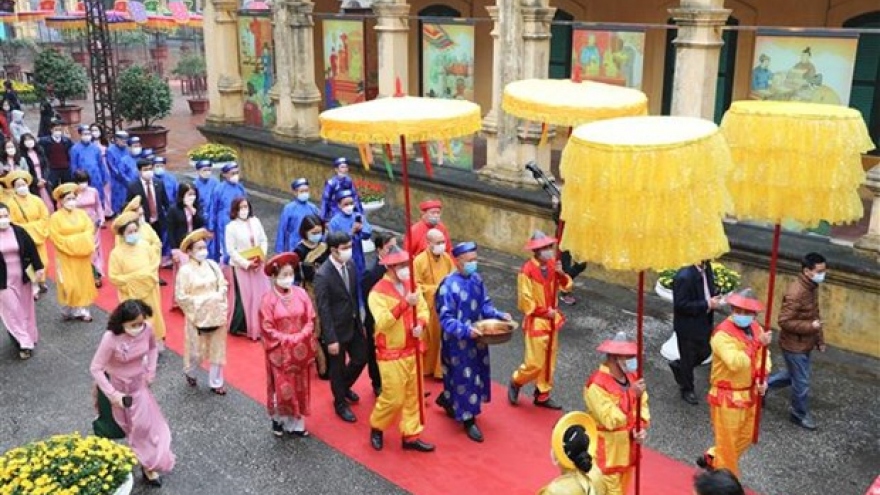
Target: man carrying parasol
(461,302)
(538,283)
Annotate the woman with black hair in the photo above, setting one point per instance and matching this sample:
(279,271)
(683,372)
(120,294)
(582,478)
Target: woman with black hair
(38,166)
(573,446)
(312,252)
(717,482)
(184,217)
(123,368)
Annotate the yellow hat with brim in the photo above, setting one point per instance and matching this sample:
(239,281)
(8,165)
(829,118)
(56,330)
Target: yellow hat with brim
(194,237)
(124,219)
(133,205)
(64,190)
(577,418)
(13,176)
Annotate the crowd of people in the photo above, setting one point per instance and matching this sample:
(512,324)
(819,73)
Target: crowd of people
(316,304)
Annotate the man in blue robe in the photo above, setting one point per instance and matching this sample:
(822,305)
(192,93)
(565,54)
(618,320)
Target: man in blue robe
(339,182)
(86,155)
(171,185)
(292,216)
(461,302)
(354,224)
(205,184)
(221,203)
(123,168)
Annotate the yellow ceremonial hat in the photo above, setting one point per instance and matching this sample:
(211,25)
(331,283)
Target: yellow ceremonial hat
(133,205)
(13,176)
(560,440)
(124,219)
(64,190)
(193,237)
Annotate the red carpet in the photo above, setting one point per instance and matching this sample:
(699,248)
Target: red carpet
(515,459)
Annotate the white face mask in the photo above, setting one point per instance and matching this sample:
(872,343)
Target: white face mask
(69,204)
(347,209)
(10,150)
(189,199)
(29,144)
(136,150)
(205,173)
(147,175)
(403,274)
(344,255)
(135,331)
(56,135)
(284,283)
(234,179)
(547,254)
(243,213)
(86,138)
(158,170)
(96,134)
(22,190)
(5,223)
(201,255)
(438,249)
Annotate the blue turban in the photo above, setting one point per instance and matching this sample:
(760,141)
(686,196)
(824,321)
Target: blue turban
(340,161)
(203,164)
(298,183)
(229,167)
(343,193)
(464,248)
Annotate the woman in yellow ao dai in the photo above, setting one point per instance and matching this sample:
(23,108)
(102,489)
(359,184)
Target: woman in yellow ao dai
(30,213)
(72,233)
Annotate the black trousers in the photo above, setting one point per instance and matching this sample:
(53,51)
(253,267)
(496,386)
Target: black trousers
(372,363)
(346,367)
(692,353)
(569,266)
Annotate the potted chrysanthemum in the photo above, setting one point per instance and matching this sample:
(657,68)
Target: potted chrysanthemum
(68,464)
(372,194)
(218,154)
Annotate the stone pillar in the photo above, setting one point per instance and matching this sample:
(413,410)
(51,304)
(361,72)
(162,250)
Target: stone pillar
(697,50)
(305,94)
(392,31)
(281,93)
(536,65)
(871,241)
(225,90)
(490,121)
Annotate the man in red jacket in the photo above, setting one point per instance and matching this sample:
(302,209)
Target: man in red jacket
(416,240)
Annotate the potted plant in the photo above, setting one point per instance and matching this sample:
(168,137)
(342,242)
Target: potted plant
(143,98)
(68,464)
(192,68)
(159,51)
(218,154)
(27,93)
(58,75)
(372,194)
(13,51)
(126,42)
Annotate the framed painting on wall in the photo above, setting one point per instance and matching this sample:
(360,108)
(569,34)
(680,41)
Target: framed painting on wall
(257,60)
(344,62)
(611,55)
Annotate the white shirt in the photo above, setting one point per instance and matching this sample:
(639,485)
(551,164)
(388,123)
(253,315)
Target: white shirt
(238,238)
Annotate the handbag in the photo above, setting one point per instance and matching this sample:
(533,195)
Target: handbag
(104,425)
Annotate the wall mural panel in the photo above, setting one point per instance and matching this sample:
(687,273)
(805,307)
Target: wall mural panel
(257,59)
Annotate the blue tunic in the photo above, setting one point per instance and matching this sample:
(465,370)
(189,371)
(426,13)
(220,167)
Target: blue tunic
(221,203)
(123,170)
(344,223)
(461,301)
(288,226)
(88,157)
(171,185)
(205,187)
(329,205)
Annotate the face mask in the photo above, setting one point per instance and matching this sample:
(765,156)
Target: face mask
(347,209)
(470,267)
(243,213)
(132,238)
(438,249)
(547,254)
(234,179)
(96,134)
(315,238)
(10,151)
(86,138)
(135,151)
(818,278)
(69,204)
(147,175)
(205,173)
(4,223)
(345,255)
(403,274)
(29,144)
(56,135)
(158,170)
(135,331)
(432,220)
(303,197)
(284,283)
(629,365)
(743,321)
(201,255)
(189,199)
(21,190)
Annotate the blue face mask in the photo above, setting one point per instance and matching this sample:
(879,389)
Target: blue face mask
(818,278)
(132,238)
(630,365)
(315,238)
(470,267)
(303,197)
(743,321)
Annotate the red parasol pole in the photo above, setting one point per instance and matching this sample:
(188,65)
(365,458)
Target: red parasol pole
(762,374)
(553,302)
(408,219)
(640,344)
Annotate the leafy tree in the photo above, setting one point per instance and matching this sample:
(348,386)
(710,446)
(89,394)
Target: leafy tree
(56,73)
(192,67)
(142,97)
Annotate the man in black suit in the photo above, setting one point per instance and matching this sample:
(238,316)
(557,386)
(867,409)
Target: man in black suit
(154,201)
(694,299)
(336,295)
(385,242)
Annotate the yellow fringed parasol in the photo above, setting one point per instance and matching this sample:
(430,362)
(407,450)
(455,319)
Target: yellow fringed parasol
(794,160)
(396,120)
(645,193)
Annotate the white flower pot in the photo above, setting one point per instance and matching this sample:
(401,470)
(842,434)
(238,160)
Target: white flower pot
(373,205)
(368,246)
(663,292)
(126,487)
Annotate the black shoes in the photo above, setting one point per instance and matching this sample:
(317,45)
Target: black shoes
(376,439)
(703,462)
(443,402)
(352,397)
(548,404)
(473,432)
(689,397)
(418,446)
(154,482)
(344,412)
(806,423)
(277,430)
(513,393)
(162,283)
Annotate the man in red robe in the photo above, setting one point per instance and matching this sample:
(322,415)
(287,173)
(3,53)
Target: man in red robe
(416,239)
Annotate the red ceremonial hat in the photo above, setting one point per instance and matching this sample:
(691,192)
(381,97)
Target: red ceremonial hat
(276,262)
(396,256)
(619,346)
(430,204)
(747,300)
(539,240)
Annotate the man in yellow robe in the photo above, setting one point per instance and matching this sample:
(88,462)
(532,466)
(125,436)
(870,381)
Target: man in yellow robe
(573,449)
(613,395)
(431,266)
(401,316)
(737,345)
(73,234)
(30,213)
(133,269)
(538,284)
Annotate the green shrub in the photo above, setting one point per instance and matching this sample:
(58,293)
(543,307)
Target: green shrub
(142,97)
